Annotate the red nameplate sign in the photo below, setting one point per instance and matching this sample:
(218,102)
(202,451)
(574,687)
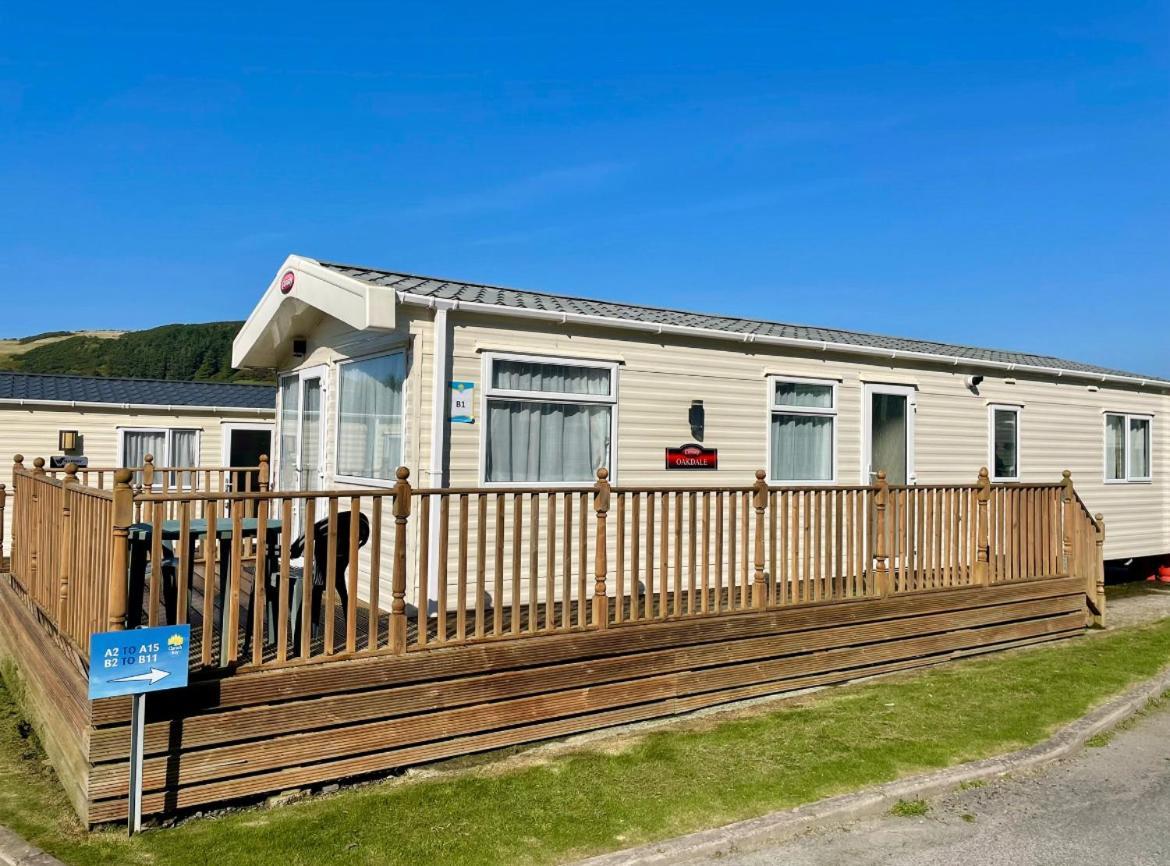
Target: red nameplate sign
(692,457)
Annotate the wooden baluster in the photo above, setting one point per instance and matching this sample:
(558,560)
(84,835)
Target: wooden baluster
(677,607)
(718,533)
(550,566)
(1099,571)
(444,552)
(664,560)
(534,563)
(156,556)
(308,576)
(352,571)
(424,570)
(705,601)
(773,546)
(461,575)
(210,563)
(3,506)
(760,504)
(330,574)
(582,559)
(635,551)
(123,516)
(881,568)
(516,608)
(745,556)
(260,584)
(282,601)
(375,617)
(692,553)
(620,564)
(732,526)
(498,569)
(650,500)
(64,544)
(235,579)
(480,564)
(402,497)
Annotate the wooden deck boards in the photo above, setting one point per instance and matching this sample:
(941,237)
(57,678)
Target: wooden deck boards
(247,732)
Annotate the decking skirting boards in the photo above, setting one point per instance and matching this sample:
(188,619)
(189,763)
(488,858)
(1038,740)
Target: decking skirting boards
(251,733)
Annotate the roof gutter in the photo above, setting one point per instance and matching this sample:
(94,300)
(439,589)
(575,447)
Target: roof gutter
(405,297)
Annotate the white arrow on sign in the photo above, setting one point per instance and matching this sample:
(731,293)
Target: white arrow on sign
(152,677)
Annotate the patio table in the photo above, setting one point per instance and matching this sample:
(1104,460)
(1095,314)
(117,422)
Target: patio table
(141,538)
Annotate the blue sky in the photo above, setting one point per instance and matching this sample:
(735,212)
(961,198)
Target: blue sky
(989,173)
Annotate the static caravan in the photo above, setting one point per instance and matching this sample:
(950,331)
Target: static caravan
(100,423)
(470,385)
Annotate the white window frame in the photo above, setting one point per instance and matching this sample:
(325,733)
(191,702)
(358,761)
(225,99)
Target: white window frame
(775,408)
(166,461)
(404,351)
(992,408)
(1129,477)
(227,427)
(490,393)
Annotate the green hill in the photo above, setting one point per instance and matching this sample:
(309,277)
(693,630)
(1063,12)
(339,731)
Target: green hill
(201,351)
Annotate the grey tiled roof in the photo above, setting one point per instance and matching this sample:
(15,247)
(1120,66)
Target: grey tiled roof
(528,300)
(141,392)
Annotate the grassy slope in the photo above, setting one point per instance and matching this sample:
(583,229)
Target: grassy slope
(657,785)
(11,349)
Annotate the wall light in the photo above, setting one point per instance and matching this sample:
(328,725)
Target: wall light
(67,440)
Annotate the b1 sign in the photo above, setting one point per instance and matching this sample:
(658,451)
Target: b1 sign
(461,393)
(138,661)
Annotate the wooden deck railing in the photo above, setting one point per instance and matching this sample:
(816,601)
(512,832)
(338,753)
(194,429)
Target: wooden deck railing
(455,566)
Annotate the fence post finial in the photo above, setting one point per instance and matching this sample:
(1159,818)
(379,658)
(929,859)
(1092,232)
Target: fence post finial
(601,496)
(760,504)
(66,549)
(1067,497)
(39,466)
(402,497)
(881,558)
(265,474)
(3,504)
(123,516)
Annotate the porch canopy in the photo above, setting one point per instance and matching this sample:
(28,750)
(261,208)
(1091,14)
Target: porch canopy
(299,296)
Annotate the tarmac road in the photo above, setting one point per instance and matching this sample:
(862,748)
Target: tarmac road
(1107,806)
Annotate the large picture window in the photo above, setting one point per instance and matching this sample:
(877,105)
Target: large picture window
(369,411)
(548,421)
(1127,447)
(1004,442)
(171,447)
(803,430)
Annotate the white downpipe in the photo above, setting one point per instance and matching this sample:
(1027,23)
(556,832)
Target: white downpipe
(439,433)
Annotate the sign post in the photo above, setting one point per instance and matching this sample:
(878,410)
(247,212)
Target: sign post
(133,663)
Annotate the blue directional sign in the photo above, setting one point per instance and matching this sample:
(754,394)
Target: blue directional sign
(138,661)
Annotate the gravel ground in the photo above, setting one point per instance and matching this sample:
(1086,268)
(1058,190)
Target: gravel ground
(1136,603)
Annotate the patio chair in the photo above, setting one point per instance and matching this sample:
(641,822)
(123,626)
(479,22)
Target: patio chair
(320,568)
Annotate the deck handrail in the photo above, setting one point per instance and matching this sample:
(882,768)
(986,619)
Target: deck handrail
(460,565)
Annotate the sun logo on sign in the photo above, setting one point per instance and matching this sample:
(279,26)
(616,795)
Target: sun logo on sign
(175,644)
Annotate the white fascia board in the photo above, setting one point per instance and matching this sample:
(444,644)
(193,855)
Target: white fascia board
(359,305)
(807,345)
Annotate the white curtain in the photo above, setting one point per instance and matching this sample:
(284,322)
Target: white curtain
(289,412)
(802,447)
(136,444)
(1115,447)
(551,442)
(370,429)
(1139,448)
(550,378)
(804,394)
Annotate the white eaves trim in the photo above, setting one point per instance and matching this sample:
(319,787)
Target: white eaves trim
(406,297)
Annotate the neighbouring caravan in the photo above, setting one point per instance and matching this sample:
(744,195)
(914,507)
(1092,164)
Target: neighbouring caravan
(476,385)
(111,422)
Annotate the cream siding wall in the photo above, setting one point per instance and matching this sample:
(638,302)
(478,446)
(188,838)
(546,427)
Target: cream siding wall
(31,430)
(1062,423)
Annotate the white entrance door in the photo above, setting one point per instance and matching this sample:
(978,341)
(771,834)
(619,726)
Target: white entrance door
(888,433)
(302,443)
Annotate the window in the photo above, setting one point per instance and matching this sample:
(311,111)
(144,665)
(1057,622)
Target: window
(547,420)
(1004,442)
(369,429)
(171,447)
(803,435)
(1127,447)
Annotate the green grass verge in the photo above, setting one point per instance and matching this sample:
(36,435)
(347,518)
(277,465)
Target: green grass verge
(636,789)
